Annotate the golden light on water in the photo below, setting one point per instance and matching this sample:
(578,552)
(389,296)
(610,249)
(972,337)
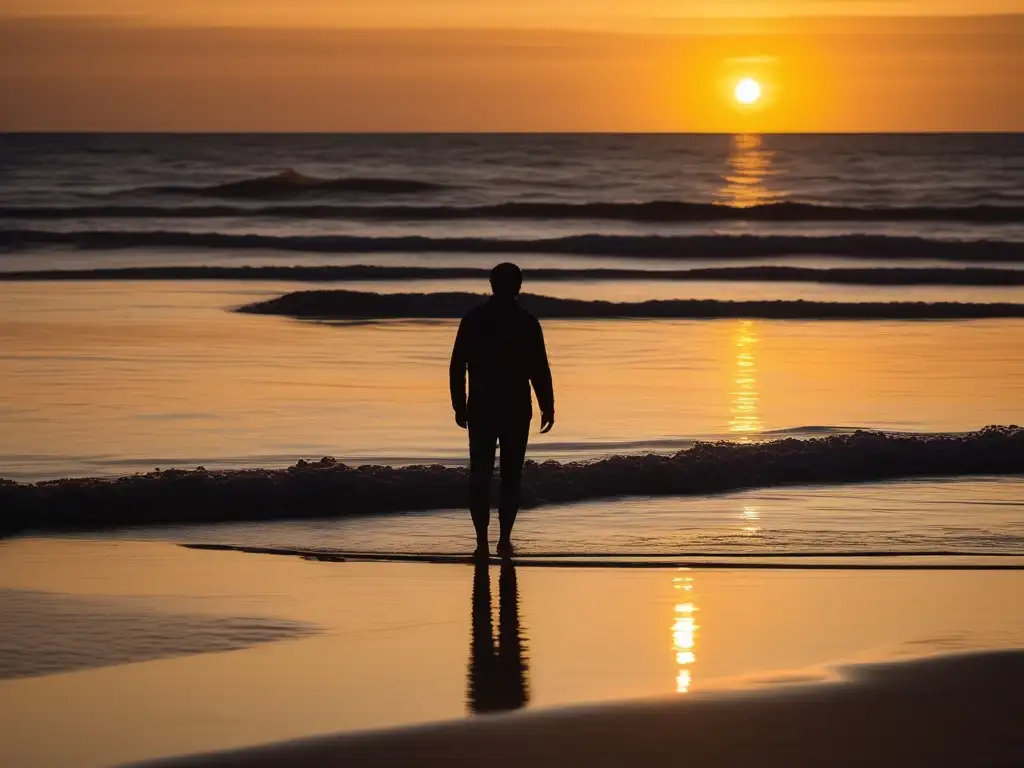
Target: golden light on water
(749,166)
(751,516)
(745,418)
(684,634)
(748,91)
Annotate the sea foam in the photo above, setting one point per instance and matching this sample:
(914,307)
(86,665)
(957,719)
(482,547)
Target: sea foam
(327,488)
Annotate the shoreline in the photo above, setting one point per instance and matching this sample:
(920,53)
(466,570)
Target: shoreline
(783,561)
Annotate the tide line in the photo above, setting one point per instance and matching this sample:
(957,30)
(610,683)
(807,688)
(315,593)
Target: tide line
(796,561)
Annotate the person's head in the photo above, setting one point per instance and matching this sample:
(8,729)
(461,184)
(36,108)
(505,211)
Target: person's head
(506,280)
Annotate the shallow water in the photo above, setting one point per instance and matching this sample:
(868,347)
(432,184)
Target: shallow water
(109,378)
(976,516)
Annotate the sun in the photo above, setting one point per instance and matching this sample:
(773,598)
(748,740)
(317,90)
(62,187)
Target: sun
(748,91)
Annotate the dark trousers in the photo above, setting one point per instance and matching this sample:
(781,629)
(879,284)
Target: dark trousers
(484,438)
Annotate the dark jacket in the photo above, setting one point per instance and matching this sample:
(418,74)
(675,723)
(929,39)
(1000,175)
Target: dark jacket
(502,346)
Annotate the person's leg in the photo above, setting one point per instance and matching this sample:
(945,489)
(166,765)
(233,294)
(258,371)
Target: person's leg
(513,438)
(482,444)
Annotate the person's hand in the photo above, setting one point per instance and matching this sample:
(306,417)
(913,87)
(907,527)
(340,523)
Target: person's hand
(547,421)
(461,420)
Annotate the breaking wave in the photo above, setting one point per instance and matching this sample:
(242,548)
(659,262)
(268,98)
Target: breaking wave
(658,211)
(356,305)
(979,276)
(635,246)
(292,184)
(327,489)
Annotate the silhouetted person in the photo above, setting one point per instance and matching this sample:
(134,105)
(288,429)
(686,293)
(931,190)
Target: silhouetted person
(497,675)
(502,345)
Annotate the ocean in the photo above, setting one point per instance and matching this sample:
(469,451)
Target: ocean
(777,261)
(233,495)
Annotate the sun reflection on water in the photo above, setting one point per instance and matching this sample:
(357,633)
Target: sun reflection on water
(684,633)
(744,180)
(751,515)
(745,411)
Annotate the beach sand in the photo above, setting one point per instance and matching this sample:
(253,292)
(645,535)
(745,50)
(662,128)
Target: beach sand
(128,651)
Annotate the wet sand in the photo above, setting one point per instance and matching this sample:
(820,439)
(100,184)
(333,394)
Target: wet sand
(953,711)
(336,648)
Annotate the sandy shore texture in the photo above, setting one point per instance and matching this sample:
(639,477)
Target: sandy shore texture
(952,711)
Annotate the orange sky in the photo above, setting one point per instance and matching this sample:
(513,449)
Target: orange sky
(544,65)
(474,13)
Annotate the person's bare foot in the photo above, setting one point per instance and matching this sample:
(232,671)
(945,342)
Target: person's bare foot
(505,548)
(481,552)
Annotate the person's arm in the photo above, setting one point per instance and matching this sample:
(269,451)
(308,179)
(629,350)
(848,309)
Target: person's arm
(540,377)
(457,374)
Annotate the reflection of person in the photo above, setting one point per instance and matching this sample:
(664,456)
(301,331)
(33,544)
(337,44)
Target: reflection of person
(502,346)
(497,675)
